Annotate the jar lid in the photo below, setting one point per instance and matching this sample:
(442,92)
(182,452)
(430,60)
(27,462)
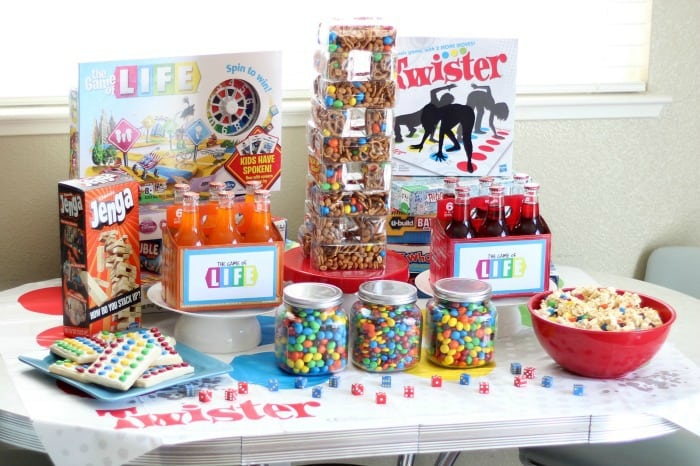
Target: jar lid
(313,295)
(462,289)
(391,292)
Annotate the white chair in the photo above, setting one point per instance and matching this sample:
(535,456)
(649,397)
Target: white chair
(675,267)
(678,268)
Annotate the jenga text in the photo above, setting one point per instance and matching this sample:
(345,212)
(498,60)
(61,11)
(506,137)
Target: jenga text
(111,212)
(70,205)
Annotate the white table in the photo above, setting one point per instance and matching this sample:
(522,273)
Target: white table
(451,418)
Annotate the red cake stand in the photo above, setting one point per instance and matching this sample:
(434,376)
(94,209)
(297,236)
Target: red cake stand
(298,269)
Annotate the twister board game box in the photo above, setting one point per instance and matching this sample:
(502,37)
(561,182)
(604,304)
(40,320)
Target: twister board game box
(454,107)
(193,119)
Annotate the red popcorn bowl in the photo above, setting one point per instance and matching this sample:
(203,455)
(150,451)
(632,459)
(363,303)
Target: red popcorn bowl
(599,353)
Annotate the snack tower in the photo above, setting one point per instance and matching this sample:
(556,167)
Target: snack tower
(350,146)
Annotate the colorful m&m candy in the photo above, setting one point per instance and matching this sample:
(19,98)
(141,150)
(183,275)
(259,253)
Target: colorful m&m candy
(461,323)
(311,330)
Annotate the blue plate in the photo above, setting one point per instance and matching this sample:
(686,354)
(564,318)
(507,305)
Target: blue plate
(204,366)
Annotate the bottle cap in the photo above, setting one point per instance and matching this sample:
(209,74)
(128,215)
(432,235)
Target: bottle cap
(313,295)
(466,290)
(389,292)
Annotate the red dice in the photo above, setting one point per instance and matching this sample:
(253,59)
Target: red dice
(205,396)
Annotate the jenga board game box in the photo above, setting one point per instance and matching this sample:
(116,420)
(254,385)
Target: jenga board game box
(454,112)
(99,233)
(512,265)
(191,119)
(221,278)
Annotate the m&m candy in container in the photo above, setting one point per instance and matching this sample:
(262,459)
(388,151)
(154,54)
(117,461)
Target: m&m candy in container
(311,330)
(386,326)
(461,324)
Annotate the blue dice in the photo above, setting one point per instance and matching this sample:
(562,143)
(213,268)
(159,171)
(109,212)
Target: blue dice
(386,381)
(516,368)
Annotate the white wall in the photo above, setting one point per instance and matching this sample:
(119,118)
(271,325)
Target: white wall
(612,189)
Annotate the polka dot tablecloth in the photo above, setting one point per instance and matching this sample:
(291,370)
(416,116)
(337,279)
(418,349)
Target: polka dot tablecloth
(75,429)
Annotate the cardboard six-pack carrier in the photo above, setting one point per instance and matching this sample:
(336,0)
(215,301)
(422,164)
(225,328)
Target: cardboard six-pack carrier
(512,265)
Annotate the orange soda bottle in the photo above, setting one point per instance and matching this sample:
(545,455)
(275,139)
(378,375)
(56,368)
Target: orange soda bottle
(247,207)
(189,232)
(262,229)
(208,210)
(173,213)
(225,231)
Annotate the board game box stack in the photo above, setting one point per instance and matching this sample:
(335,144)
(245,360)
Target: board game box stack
(350,146)
(187,119)
(453,118)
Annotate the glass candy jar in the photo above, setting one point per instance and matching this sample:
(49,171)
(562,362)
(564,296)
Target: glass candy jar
(461,323)
(386,326)
(311,330)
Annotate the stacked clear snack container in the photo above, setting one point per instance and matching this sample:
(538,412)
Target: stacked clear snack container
(350,145)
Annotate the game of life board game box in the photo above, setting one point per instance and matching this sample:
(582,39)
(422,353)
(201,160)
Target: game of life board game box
(454,107)
(191,119)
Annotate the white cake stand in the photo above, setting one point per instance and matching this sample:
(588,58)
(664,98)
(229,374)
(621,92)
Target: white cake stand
(217,332)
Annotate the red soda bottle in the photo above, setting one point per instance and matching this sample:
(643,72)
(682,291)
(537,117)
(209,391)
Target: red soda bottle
(530,221)
(460,225)
(494,224)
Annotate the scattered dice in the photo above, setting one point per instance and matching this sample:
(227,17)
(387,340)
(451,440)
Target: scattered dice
(547,381)
(578,389)
(436,381)
(316,392)
(515,368)
(519,381)
(243,388)
(357,389)
(408,391)
(386,381)
(205,396)
(529,372)
(300,382)
(230,394)
(380,398)
(464,379)
(273,385)
(484,388)
(334,381)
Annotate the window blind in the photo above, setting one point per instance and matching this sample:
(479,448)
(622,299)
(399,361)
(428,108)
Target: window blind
(563,46)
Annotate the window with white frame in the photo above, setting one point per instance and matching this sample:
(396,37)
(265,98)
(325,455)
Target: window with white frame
(563,46)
